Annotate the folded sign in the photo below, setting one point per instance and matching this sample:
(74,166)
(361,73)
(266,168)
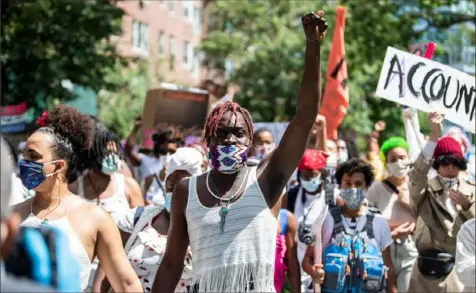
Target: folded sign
(428,86)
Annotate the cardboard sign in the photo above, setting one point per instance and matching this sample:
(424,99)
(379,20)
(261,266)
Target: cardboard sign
(175,105)
(428,86)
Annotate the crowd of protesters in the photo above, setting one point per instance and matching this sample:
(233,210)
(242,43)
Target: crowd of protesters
(237,211)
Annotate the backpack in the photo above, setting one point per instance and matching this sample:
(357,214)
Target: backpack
(353,261)
(43,256)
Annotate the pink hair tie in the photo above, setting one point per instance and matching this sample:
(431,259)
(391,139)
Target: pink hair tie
(42,120)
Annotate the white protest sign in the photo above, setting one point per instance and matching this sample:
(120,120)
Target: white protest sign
(428,86)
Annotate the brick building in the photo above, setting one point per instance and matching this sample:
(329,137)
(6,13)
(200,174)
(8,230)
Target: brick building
(167,33)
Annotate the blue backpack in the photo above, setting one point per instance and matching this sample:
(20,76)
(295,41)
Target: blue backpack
(43,256)
(353,261)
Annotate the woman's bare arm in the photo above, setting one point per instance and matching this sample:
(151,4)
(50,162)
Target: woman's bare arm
(112,257)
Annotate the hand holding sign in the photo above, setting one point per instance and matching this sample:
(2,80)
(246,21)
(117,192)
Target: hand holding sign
(426,85)
(315,26)
(436,123)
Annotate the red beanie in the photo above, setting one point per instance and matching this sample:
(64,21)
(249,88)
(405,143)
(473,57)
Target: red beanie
(313,160)
(448,146)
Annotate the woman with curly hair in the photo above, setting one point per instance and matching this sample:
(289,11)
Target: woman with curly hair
(51,156)
(392,198)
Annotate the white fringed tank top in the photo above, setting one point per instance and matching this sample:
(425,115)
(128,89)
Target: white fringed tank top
(241,259)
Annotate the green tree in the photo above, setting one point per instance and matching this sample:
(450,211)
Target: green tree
(264,40)
(46,41)
(119,108)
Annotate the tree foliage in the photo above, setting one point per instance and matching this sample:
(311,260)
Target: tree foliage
(119,108)
(265,42)
(46,41)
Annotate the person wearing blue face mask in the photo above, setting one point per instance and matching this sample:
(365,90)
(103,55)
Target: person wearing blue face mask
(101,183)
(307,201)
(52,155)
(352,230)
(144,229)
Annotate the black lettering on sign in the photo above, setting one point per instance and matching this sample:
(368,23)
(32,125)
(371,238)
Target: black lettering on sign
(410,75)
(336,71)
(467,94)
(449,106)
(426,97)
(394,61)
(439,95)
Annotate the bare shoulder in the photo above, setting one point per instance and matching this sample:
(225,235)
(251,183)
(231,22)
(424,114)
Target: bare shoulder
(131,182)
(181,190)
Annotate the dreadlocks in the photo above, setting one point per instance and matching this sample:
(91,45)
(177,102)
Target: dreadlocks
(217,113)
(99,150)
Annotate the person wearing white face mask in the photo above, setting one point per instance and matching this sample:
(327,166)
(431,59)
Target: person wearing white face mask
(345,227)
(391,198)
(144,229)
(307,201)
(441,205)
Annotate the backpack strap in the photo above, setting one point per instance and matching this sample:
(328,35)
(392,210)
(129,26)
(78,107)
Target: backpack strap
(336,213)
(330,195)
(283,218)
(292,196)
(138,213)
(369,225)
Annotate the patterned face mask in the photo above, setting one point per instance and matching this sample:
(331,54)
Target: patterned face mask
(228,159)
(31,173)
(110,164)
(353,197)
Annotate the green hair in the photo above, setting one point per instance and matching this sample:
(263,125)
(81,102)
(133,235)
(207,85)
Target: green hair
(390,144)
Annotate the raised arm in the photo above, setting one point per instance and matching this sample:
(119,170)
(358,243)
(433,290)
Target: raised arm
(170,269)
(112,257)
(133,157)
(273,178)
(418,175)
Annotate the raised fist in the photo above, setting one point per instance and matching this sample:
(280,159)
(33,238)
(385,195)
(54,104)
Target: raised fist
(315,26)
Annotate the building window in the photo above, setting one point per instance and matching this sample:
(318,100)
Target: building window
(140,33)
(171,53)
(197,20)
(161,43)
(186,48)
(188,9)
(196,63)
(172,5)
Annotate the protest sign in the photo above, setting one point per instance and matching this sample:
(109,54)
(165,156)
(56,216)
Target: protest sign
(428,86)
(174,105)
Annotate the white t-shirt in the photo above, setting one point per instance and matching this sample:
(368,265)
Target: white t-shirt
(382,233)
(149,165)
(313,206)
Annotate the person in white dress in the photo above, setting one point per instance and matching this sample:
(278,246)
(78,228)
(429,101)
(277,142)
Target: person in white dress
(144,229)
(101,183)
(50,157)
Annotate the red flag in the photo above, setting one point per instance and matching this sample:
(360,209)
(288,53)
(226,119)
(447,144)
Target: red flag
(336,95)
